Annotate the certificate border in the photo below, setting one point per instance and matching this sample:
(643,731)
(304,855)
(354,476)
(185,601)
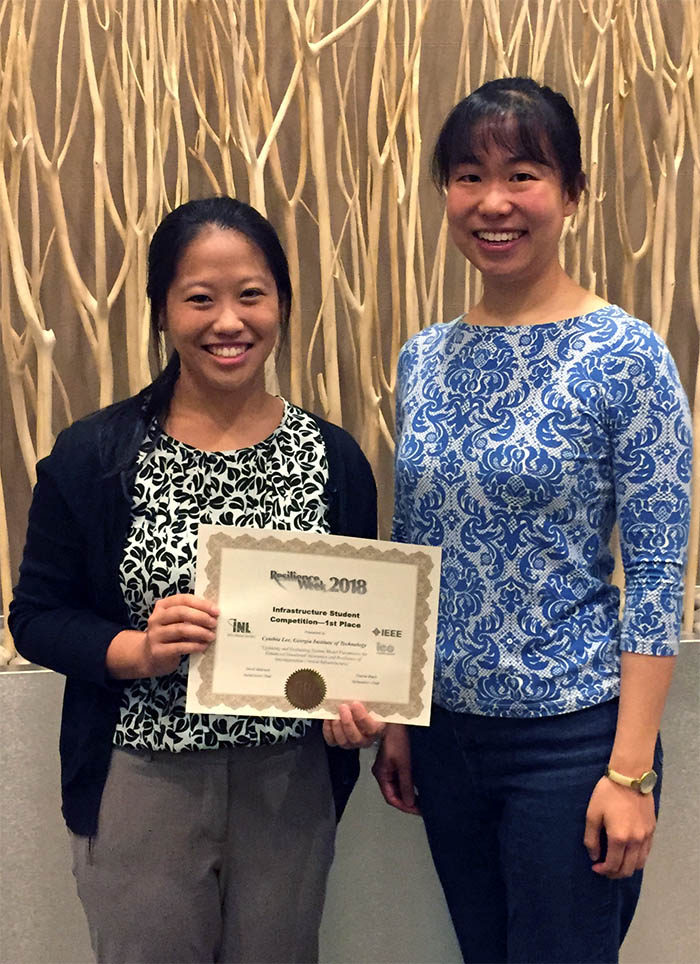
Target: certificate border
(218,541)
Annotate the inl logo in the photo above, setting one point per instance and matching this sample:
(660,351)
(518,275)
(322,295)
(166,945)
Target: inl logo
(237,626)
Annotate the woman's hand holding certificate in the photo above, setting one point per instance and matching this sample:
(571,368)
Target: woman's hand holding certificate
(355,727)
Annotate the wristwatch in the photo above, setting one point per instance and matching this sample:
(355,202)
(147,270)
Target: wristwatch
(643,784)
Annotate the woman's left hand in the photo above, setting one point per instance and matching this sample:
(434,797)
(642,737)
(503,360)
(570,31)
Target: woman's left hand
(629,821)
(355,727)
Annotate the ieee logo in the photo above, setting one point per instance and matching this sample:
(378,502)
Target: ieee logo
(238,627)
(386,648)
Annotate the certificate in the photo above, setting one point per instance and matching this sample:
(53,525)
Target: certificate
(309,621)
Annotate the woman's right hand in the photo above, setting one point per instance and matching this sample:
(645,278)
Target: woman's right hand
(178,626)
(392,769)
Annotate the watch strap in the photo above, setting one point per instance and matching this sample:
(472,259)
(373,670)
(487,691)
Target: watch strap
(621,778)
(643,784)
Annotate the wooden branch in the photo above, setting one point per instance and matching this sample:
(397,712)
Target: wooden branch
(317,46)
(692,106)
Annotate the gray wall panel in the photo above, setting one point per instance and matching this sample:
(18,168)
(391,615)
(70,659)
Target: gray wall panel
(41,921)
(384,903)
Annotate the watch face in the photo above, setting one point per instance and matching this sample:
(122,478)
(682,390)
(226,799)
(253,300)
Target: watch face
(647,781)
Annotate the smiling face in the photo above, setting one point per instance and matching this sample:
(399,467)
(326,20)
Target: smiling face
(506,213)
(222,313)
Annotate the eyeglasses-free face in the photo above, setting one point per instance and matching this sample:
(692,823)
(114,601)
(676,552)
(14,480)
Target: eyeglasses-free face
(506,215)
(222,313)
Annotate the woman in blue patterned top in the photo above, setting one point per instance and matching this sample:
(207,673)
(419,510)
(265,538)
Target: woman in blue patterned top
(526,429)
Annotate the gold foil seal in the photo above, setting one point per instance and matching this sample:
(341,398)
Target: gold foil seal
(305,689)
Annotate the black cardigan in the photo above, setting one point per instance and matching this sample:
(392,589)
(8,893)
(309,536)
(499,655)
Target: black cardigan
(68,603)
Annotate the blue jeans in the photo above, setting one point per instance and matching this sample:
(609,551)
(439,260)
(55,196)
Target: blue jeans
(504,803)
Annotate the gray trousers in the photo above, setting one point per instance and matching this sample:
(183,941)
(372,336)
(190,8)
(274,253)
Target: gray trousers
(210,856)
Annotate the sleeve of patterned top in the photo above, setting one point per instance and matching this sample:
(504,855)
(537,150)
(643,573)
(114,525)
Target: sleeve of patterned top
(650,429)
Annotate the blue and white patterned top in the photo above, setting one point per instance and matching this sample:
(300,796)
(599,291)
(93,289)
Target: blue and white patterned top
(518,449)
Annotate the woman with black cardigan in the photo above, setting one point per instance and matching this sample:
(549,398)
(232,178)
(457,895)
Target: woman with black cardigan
(195,837)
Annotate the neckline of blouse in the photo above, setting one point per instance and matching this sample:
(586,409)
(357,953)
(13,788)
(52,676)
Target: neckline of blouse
(177,446)
(538,325)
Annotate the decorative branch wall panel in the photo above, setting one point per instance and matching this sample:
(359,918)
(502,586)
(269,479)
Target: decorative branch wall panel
(321,113)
